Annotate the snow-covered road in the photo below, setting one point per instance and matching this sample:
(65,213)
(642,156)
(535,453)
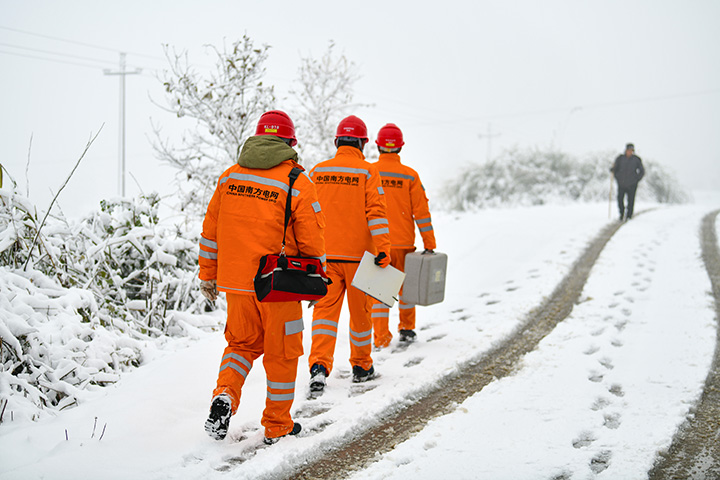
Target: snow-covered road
(600,396)
(606,389)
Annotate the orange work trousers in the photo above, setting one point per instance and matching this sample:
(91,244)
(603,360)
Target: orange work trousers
(381,312)
(270,329)
(326,316)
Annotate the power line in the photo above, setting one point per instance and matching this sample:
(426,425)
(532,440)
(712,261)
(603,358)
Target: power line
(50,52)
(84,44)
(66,62)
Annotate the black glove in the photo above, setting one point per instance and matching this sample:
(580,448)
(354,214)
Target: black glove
(382,260)
(428,251)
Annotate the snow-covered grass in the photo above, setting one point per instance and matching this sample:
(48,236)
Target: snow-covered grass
(604,391)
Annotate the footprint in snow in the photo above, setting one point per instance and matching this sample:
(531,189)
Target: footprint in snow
(596,377)
(310,410)
(585,439)
(314,428)
(611,421)
(436,337)
(359,389)
(607,363)
(600,462)
(616,390)
(591,350)
(414,361)
(600,403)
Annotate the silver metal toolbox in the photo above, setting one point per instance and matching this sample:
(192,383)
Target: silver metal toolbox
(424,278)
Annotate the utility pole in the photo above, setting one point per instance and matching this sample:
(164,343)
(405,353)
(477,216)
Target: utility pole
(122,73)
(489,135)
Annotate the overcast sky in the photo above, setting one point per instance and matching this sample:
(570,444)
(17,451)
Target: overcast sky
(583,77)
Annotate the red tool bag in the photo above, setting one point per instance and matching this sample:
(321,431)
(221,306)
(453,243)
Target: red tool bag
(281,278)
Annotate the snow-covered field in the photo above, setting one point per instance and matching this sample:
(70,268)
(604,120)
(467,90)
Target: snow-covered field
(599,397)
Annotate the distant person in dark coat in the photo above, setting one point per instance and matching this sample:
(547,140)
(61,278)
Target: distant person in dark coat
(628,170)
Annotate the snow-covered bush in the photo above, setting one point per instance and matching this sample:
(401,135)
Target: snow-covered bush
(80,302)
(536,177)
(137,269)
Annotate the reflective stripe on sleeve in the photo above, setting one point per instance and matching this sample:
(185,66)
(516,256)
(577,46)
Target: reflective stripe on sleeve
(381,191)
(426,229)
(380,231)
(421,221)
(210,255)
(316,207)
(208,243)
(235,289)
(378,221)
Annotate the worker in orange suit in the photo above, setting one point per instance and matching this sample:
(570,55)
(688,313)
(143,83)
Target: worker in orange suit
(244,221)
(407,207)
(350,191)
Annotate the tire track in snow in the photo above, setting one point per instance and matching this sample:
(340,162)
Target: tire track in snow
(501,361)
(695,451)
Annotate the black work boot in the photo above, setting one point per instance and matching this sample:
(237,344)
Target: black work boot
(407,336)
(361,375)
(219,420)
(318,374)
(270,441)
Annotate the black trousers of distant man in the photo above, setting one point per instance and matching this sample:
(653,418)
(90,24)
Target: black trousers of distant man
(628,190)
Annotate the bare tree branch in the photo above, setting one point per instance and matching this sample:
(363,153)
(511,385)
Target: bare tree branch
(37,234)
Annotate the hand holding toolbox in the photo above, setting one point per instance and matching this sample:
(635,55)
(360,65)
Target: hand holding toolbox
(424,278)
(281,278)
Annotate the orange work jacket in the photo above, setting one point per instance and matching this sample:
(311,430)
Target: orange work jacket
(406,201)
(244,221)
(351,194)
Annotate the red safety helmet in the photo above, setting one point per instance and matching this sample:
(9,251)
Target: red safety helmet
(390,136)
(278,123)
(352,126)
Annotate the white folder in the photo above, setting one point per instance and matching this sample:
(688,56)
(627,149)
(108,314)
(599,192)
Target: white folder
(383,284)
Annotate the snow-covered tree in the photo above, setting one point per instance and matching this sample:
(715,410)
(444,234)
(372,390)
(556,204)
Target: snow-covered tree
(222,106)
(325,96)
